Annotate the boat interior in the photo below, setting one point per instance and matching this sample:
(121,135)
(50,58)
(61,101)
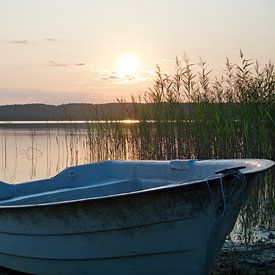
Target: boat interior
(111,178)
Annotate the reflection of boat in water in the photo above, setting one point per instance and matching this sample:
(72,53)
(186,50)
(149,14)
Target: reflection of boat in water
(124,217)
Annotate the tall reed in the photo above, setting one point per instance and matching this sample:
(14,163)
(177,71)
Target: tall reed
(198,116)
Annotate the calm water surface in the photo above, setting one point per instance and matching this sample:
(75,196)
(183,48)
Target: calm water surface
(35,150)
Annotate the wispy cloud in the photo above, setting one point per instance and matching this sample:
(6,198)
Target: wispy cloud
(26,42)
(124,79)
(19,42)
(57,64)
(107,75)
(49,39)
(111,77)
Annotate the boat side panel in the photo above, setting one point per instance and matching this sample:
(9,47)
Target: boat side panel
(116,248)
(165,248)
(119,219)
(116,213)
(167,237)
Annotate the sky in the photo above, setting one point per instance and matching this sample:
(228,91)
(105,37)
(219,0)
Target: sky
(63,51)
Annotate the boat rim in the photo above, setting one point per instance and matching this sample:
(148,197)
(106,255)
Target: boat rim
(267,164)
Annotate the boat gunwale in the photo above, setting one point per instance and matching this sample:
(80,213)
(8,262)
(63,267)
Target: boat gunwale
(171,187)
(206,181)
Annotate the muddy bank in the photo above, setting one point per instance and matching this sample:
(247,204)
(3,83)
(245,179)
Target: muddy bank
(241,259)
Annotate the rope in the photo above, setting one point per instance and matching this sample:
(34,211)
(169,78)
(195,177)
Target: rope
(223,195)
(239,176)
(209,188)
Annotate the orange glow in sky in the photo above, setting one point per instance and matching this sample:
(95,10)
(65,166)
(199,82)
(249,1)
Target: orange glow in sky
(97,51)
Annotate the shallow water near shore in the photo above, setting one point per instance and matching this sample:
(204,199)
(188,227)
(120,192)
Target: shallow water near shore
(31,150)
(35,154)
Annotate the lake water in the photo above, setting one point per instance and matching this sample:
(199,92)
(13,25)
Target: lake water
(34,150)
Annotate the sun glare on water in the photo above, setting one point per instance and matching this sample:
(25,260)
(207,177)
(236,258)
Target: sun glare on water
(128,65)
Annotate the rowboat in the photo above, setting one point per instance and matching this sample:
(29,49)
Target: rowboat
(125,217)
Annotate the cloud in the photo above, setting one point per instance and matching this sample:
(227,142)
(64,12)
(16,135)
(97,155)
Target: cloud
(19,42)
(123,79)
(56,64)
(26,42)
(111,77)
(107,75)
(49,39)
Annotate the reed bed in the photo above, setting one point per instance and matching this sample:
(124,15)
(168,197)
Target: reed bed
(198,116)
(195,115)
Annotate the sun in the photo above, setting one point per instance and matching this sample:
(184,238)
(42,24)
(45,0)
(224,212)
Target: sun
(128,65)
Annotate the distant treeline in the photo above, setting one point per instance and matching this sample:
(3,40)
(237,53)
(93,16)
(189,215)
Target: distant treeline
(112,111)
(74,111)
(78,111)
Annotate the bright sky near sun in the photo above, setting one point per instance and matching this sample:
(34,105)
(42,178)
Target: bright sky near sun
(60,51)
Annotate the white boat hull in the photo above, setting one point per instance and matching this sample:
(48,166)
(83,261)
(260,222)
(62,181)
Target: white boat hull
(178,230)
(170,234)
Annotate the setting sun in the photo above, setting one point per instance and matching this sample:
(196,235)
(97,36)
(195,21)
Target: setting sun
(128,64)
